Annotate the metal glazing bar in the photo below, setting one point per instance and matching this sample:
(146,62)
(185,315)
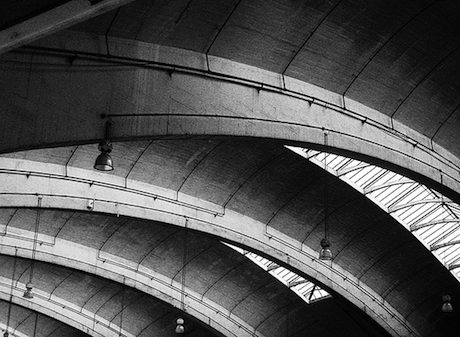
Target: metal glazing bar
(414,203)
(445,244)
(433,223)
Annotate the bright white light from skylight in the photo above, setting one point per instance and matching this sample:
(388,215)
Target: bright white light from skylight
(428,215)
(307,290)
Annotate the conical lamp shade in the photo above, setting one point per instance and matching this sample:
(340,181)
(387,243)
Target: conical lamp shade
(180,329)
(103,162)
(325,254)
(28,293)
(447,307)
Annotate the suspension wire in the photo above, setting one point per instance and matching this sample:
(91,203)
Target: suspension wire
(184,263)
(11,290)
(326,194)
(34,247)
(35,324)
(122,305)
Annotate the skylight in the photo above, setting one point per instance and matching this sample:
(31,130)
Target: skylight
(307,290)
(429,216)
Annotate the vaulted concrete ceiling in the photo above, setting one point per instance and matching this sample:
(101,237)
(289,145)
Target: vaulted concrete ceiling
(257,180)
(380,77)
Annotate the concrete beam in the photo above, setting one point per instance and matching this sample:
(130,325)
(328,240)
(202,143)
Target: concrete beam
(54,20)
(156,91)
(19,189)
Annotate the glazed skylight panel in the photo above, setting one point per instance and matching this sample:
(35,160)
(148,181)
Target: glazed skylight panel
(307,290)
(431,217)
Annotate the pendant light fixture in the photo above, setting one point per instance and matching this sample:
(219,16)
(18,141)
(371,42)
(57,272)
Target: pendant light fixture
(180,326)
(446,304)
(325,253)
(28,293)
(104,161)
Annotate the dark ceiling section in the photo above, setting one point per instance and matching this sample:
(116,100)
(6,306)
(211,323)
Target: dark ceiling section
(347,38)
(438,92)
(279,28)
(418,48)
(16,11)
(180,23)
(420,86)
(447,133)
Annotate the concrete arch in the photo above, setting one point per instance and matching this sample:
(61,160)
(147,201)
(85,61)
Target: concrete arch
(181,93)
(20,189)
(64,307)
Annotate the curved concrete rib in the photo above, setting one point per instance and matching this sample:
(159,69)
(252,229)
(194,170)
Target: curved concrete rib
(20,189)
(179,94)
(84,258)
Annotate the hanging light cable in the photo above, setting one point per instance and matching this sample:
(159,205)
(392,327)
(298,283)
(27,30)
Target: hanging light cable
(35,324)
(6,334)
(28,293)
(180,321)
(325,252)
(122,306)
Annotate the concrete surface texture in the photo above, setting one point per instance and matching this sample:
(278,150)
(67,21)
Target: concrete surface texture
(201,97)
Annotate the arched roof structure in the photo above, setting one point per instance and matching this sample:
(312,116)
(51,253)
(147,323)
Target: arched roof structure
(201,98)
